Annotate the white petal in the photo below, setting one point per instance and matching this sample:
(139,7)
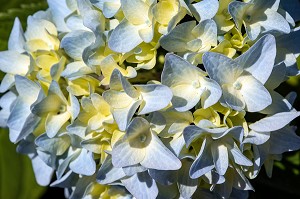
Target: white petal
(141,186)
(123,154)
(135,11)
(16,40)
(155,97)
(75,42)
(256,96)
(14,63)
(124,37)
(274,122)
(259,59)
(176,40)
(206,9)
(108,173)
(275,21)
(221,68)
(55,122)
(84,164)
(203,163)
(220,157)
(159,157)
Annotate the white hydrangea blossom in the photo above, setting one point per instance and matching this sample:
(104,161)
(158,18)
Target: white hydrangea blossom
(150,99)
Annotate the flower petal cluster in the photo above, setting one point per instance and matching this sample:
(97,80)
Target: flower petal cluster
(152,99)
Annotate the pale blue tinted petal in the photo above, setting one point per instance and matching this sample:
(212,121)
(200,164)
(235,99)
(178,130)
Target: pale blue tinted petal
(207,32)
(277,76)
(275,22)
(123,116)
(43,173)
(256,96)
(178,71)
(55,122)
(221,68)
(108,173)
(141,186)
(257,138)
(176,40)
(84,164)
(237,10)
(57,145)
(284,140)
(123,154)
(75,42)
(155,97)
(124,37)
(232,98)
(133,169)
(68,180)
(220,157)
(7,82)
(274,122)
(239,157)
(119,82)
(292,7)
(259,59)
(59,11)
(190,133)
(205,9)
(203,163)
(212,93)
(279,104)
(187,185)
(14,63)
(159,157)
(163,177)
(135,11)
(185,97)
(16,40)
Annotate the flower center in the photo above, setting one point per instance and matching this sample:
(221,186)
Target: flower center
(237,85)
(143,138)
(196,84)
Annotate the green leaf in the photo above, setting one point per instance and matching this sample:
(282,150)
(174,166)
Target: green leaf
(17,179)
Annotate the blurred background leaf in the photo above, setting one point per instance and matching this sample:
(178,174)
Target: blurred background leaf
(17,179)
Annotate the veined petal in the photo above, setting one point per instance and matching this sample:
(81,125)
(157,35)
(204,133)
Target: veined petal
(16,40)
(7,82)
(185,97)
(275,21)
(203,163)
(55,122)
(205,9)
(159,157)
(176,40)
(155,97)
(124,115)
(135,11)
(178,71)
(84,164)
(123,154)
(75,42)
(232,98)
(124,37)
(274,122)
(108,173)
(13,62)
(259,59)
(221,68)
(141,185)
(220,157)
(256,96)
(117,99)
